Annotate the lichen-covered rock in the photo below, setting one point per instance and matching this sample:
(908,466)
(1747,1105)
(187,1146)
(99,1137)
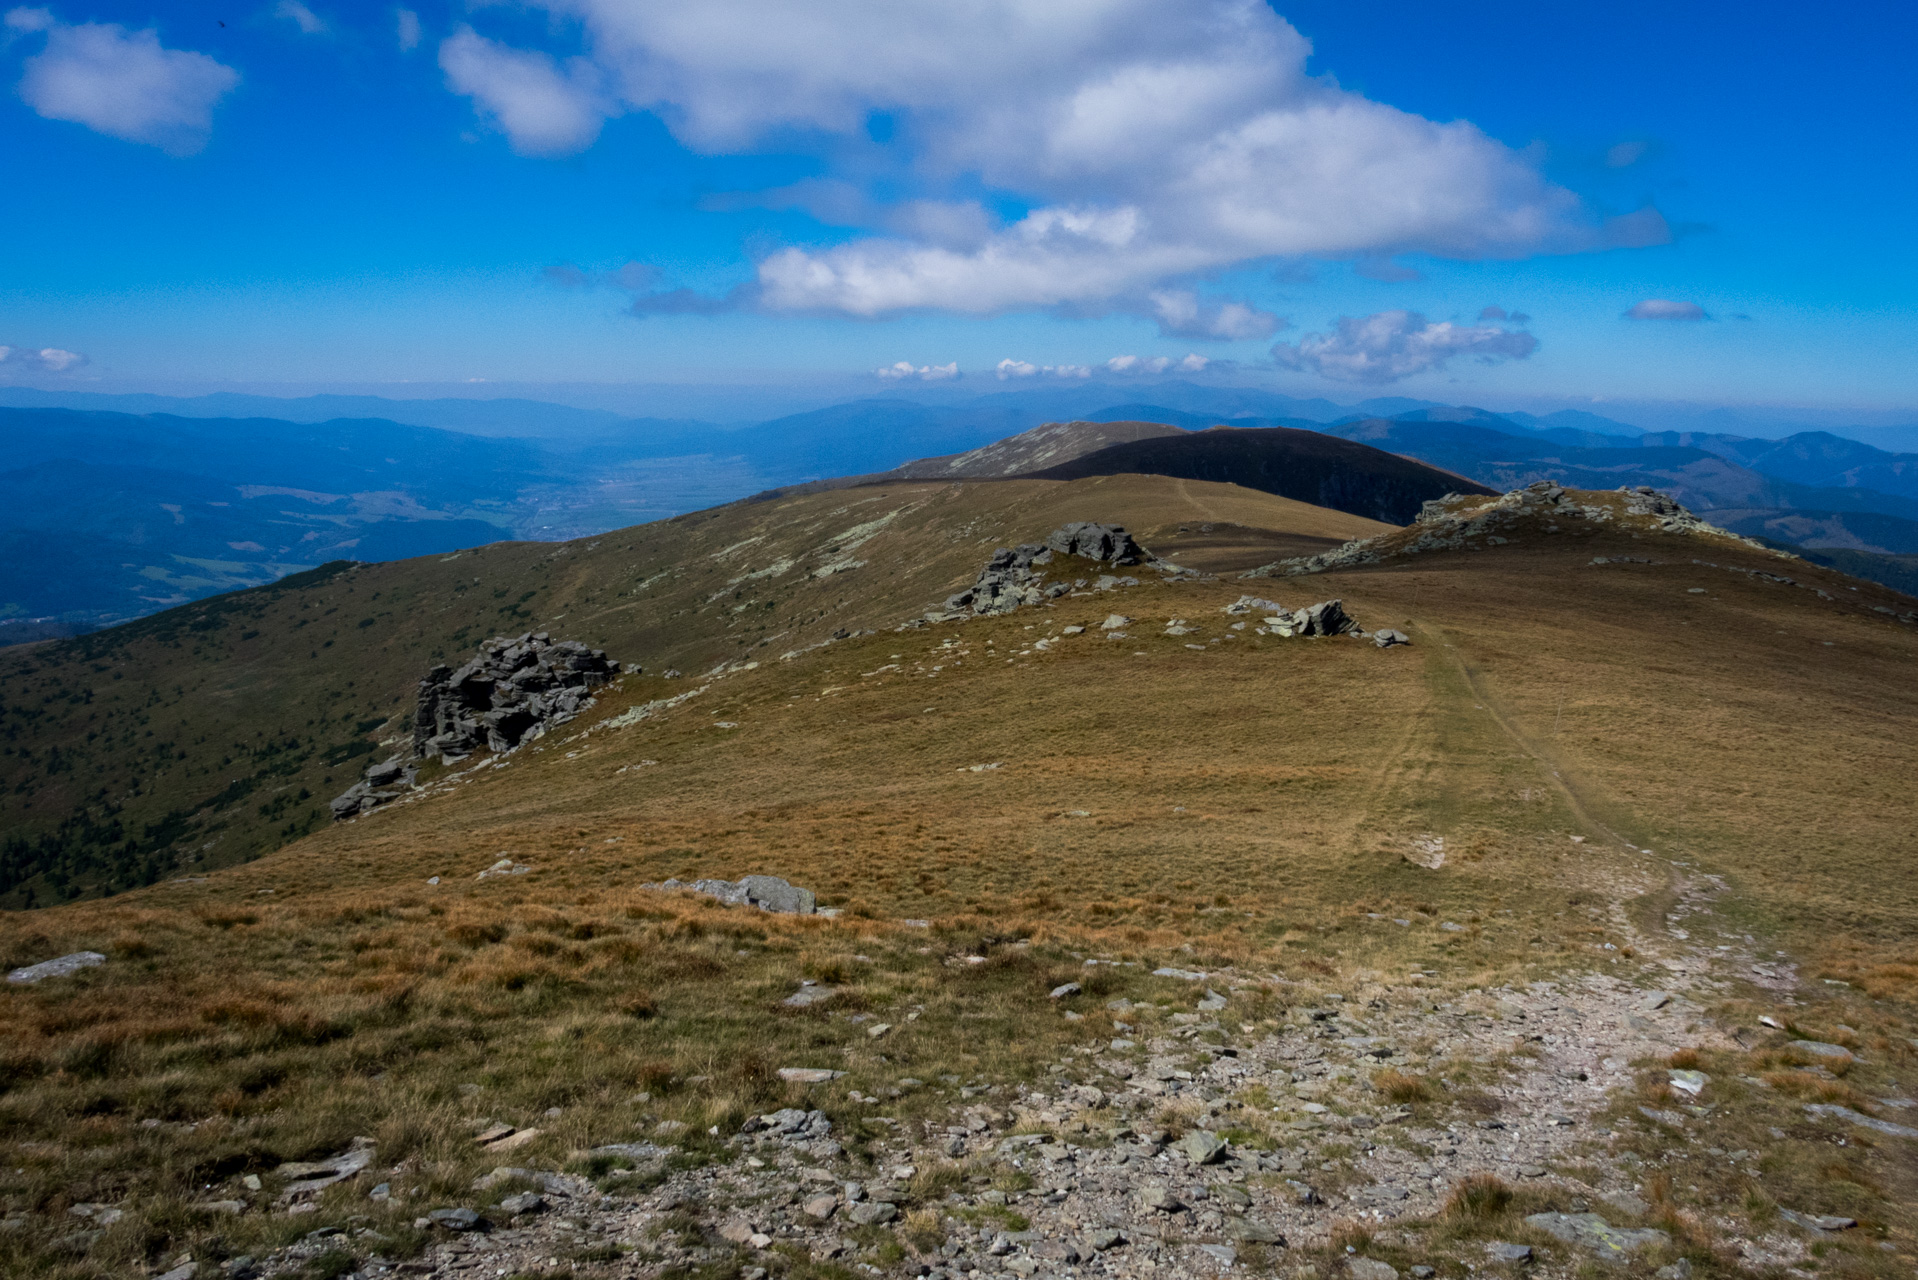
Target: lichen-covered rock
(511,693)
(1011,578)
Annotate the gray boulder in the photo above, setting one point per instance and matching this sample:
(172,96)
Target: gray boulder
(1611,1244)
(1108,543)
(65,967)
(768,893)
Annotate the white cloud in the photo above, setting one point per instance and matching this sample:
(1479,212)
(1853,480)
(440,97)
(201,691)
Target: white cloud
(1022,369)
(1182,314)
(408,30)
(544,108)
(903,369)
(300,16)
(122,83)
(39,360)
(1397,344)
(1147,142)
(1156,364)
(1666,309)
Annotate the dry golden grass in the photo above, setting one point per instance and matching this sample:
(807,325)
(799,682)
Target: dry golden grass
(1402,1087)
(1247,804)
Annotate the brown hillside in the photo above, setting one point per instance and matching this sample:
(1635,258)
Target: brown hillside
(221,729)
(1660,772)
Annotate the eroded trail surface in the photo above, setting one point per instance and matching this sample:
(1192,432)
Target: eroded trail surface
(1197,1144)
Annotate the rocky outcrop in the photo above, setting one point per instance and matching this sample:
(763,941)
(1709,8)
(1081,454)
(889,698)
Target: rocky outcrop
(511,693)
(514,691)
(1010,578)
(1107,543)
(1456,522)
(1326,618)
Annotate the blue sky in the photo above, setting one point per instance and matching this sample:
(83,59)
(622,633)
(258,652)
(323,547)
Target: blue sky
(1344,199)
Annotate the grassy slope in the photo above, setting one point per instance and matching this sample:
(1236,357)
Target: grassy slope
(1243,803)
(219,730)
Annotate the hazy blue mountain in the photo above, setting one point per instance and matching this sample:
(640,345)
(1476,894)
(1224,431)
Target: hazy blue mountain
(1867,531)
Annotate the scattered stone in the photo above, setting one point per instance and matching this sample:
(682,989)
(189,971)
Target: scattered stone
(1188,974)
(808,1075)
(1102,1239)
(455,1219)
(1246,1231)
(1825,1055)
(1863,1121)
(1158,1199)
(1063,990)
(1428,851)
(1386,637)
(820,1207)
(504,867)
(66,966)
(523,1203)
(1655,1000)
(311,1176)
(1202,1148)
(877,1030)
(1680,1270)
(514,1141)
(1820,1223)
(1501,1251)
(1370,1269)
(1114,621)
(1225,1254)
(1593,1232)
(1212,1003)
(871,1213)
(768,893)
(1689,1083)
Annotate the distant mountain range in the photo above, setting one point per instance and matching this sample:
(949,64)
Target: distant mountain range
(108,515)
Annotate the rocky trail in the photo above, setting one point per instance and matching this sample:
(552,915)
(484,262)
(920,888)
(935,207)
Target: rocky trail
(1210,1145)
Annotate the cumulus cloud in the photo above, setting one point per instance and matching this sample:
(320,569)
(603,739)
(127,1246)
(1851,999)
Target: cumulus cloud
(122,83)
(39,360)
(543,107)
(1156,364)
(1397,344)
(1145,143)
(1181,313)
(1666,309)
(1006,369)
(902,370)
(299,15)
(408,30)
(1496,312)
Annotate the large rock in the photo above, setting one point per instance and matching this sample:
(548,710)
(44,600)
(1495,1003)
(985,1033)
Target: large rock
(1610,1243)
(513,692)
(768,893)
(65,967)
(1109,543)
